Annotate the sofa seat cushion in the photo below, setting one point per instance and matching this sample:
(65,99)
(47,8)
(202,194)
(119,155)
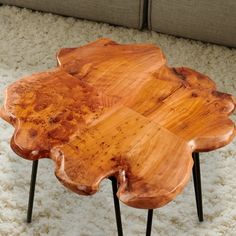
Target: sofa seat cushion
(210,21)
(118,12)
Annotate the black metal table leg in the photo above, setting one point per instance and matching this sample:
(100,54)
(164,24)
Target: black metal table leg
(149,222)
(117,206)
(197,185)
(32,189)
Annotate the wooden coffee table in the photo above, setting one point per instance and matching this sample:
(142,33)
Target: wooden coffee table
(118,111)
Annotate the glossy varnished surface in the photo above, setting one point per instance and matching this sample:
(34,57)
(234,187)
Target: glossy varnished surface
(119,110)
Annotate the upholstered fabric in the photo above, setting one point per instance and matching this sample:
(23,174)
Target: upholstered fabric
(211,20)
(120,12)
(206,20)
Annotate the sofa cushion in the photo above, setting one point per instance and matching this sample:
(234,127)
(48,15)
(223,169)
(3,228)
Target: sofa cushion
(211,21)
(119,12)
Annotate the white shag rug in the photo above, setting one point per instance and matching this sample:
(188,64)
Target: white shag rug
(28,43)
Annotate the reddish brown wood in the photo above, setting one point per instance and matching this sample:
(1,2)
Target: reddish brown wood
(111,109)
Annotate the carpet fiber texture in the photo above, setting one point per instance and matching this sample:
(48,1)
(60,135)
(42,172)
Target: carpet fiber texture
(28,43)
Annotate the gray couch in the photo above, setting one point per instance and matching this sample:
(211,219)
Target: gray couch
(207,20)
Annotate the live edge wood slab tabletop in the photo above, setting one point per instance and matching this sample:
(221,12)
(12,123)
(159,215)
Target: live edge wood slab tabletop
(119,110)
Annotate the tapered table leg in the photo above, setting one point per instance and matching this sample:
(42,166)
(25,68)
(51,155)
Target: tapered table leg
(197,185)
(32,189)
(149,222)
(117,207)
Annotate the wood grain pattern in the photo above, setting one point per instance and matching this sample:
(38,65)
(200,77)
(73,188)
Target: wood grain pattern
(119,110)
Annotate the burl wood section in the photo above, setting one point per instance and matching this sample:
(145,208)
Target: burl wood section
(119,110)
